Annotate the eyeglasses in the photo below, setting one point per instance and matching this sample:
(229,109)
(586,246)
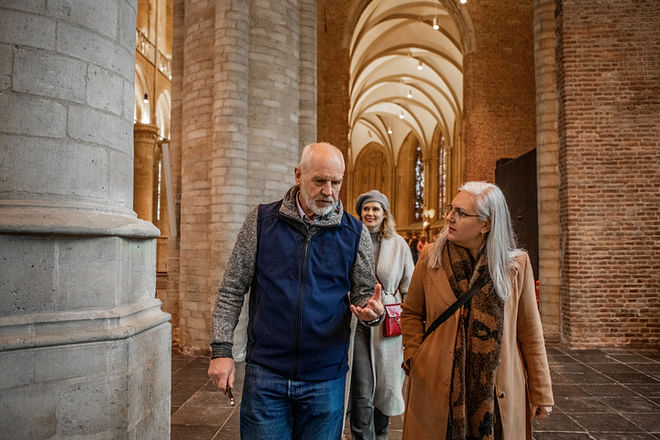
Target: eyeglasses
(449,209)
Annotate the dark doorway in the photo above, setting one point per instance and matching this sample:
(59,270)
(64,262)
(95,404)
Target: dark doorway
(517,180)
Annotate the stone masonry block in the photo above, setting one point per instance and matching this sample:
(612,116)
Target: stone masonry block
(156,423)
(97,49)
(100,17)
(49,74)
(26,29)
(93,406)
(16,367)
(128,94)
(33,6)
(138,269)
(6,63)
(149,386)
(102,128)
(33,116)
(117,352)
(76,170)
(103,89)
(74,361)
(87,272)
(27,284)
(121,177)
(28,412)
(127,20)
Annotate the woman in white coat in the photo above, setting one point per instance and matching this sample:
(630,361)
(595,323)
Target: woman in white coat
(377,377)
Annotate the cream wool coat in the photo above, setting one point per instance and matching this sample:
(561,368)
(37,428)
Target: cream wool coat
(394,270)
(522,377)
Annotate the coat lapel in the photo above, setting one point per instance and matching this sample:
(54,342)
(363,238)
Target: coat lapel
(440,284)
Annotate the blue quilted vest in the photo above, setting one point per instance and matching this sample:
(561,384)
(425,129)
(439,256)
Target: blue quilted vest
(299,323)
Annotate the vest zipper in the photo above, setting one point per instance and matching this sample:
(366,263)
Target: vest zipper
(301,296)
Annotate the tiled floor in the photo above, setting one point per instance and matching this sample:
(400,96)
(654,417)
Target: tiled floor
(605,394)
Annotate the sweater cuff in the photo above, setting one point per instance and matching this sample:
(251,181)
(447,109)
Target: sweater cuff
(374,322)
(221,350)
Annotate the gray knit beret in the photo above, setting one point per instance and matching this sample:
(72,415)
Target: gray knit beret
(371,196)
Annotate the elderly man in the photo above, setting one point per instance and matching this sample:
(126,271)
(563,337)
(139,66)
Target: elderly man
(306,263)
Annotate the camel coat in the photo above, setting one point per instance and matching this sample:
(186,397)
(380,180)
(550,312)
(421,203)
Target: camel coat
(522,377)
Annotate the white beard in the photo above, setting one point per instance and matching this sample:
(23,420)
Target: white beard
(318,211)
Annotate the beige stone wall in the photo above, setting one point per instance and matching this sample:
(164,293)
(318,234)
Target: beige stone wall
(608,55)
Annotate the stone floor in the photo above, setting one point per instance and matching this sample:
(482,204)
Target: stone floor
(605,394)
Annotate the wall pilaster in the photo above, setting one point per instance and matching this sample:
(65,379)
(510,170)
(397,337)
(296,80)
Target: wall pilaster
(547,166)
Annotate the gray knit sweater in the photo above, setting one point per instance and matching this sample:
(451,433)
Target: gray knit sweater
(240,271)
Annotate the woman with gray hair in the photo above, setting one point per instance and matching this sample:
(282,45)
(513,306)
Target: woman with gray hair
(473,343)
(376,377)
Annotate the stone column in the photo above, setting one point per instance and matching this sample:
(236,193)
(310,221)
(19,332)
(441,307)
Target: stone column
(307,83)
(84,346)
(144,140)
(547,166)
(240,100)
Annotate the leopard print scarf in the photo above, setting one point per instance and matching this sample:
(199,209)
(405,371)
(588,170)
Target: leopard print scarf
(478,344)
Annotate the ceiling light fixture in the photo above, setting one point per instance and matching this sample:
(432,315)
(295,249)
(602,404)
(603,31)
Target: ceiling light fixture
(409,95)
(401,115)
(435,23)
(146,98)
(420,66)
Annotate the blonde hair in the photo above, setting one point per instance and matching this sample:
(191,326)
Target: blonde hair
(500,243)
(388,228)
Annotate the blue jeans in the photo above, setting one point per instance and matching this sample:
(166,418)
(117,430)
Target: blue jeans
(276,408)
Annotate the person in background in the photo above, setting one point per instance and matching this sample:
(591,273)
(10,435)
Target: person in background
(377,377)
(413,247)
(483,373)
(298,257)
(421,244)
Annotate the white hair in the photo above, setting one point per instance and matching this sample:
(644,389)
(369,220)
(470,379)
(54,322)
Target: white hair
(500,242)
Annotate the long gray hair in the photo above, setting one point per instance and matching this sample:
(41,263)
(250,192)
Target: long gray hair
(500,242)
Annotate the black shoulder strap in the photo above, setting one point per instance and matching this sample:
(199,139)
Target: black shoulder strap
(452,309)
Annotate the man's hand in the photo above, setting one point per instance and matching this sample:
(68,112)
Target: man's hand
(373,309)
(221,371)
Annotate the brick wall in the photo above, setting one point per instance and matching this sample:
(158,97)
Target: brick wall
(499,86)
(609,161)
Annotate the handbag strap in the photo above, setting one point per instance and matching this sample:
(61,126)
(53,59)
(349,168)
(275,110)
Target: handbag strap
(383,287)
(452,309)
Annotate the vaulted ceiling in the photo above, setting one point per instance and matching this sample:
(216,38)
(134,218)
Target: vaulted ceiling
(406,74)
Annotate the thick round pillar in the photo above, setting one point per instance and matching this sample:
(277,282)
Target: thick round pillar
(84,346)
(145,137)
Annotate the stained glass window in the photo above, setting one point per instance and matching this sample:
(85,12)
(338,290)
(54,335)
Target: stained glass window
(419,183)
